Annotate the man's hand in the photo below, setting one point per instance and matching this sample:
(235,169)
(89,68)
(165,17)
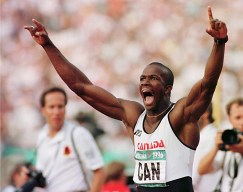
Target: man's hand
(237,147)
(38,33)
(218,139)
(217,28)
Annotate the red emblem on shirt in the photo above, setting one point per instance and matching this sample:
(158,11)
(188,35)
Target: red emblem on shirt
(67,150)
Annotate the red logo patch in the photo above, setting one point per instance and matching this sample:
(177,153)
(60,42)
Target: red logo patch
(67,150)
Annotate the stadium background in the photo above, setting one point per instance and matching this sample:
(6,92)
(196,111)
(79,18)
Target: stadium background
(111,41)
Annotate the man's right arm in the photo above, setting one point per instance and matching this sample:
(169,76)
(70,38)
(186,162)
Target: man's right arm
(208,161)
(79,83)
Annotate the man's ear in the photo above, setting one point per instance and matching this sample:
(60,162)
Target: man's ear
(168,89)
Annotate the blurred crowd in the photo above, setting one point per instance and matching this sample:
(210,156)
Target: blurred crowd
(117,38)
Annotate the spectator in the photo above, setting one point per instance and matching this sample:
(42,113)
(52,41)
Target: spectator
(66,152)
(24,178)
(18,177)
(228,158)
(116,179)
(202,183)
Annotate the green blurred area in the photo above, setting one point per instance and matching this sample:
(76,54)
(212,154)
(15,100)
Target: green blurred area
(25,154)
(128,160)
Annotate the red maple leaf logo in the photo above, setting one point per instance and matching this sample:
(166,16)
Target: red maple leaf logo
(67,150)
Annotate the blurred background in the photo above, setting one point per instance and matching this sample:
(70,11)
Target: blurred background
(111,41)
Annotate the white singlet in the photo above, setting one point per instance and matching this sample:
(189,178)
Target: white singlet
(160,157)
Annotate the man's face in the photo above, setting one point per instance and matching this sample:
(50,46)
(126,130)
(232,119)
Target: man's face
(152,86)
(54,110)
(236,116)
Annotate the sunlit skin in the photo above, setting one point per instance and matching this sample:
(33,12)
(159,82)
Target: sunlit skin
(186,111)
(155,88)
(54,111)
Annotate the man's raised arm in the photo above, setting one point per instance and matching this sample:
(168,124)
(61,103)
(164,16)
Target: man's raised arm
(76,80)
(68,72)
(202,92)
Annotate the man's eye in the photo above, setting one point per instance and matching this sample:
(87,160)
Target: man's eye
(154,78)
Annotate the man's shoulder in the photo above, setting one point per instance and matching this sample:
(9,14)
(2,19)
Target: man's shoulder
(77,128)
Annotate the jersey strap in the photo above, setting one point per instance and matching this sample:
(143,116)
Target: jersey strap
(78,157)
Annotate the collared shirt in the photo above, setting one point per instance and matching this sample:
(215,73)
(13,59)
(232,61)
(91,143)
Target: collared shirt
(207,182)
(58,161)
(228,170)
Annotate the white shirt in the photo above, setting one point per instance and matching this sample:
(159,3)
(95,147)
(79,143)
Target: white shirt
(207,182)
(160,156)
(57,159)
(9,188)
(238,181)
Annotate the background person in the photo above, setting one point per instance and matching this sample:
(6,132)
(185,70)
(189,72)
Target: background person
(229,162)
(208,131)
(116,178)
(25,178)
(66,152)
(171,128)
(18,177)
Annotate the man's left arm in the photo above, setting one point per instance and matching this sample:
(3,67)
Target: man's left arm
(202,92)
(189,109)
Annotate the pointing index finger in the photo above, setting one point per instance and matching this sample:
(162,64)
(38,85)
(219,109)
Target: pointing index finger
(210,14)
(38,24)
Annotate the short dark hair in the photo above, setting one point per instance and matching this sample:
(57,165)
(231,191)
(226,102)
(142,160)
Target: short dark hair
(169,74)
(238,100)
(52,90)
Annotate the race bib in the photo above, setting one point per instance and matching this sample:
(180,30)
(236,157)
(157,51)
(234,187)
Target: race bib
(150,166)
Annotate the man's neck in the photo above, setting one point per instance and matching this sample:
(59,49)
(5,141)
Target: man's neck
(53,131)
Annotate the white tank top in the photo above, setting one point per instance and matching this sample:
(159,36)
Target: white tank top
(160,157)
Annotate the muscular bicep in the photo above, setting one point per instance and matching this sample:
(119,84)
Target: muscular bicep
(198,99)
(106,103)
(188,110)
(102,100)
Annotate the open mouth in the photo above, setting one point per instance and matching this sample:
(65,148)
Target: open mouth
(148,98)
